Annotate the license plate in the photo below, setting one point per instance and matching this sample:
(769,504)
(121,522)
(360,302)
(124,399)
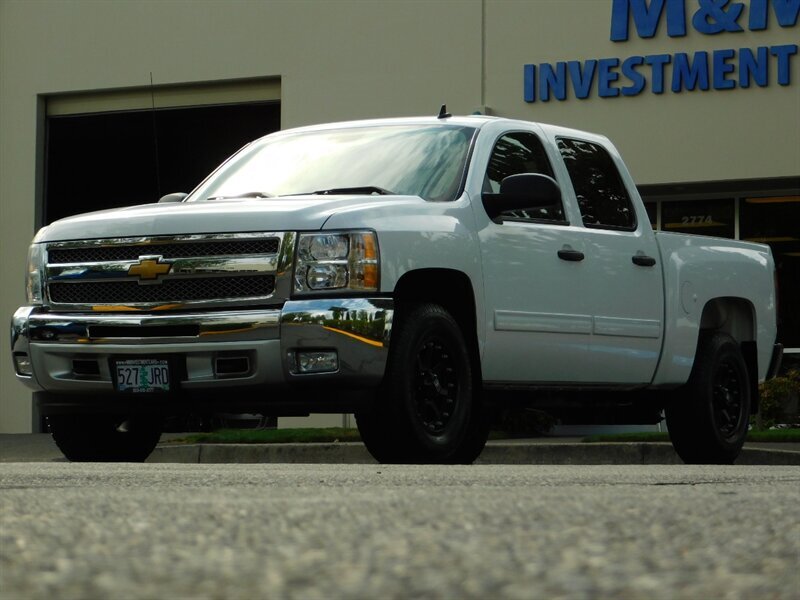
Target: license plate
(142,375)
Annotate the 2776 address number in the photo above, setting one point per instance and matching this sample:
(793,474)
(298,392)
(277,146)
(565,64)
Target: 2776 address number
(142,376)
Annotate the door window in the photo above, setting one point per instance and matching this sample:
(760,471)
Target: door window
(516,153)
(603,200)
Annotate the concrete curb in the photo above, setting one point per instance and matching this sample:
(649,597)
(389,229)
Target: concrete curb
(498,453)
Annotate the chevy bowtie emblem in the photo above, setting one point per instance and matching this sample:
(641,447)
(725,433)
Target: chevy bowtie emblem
(149,268)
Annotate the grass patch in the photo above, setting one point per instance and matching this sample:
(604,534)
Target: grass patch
(340,434)
(769,435)
(273,436)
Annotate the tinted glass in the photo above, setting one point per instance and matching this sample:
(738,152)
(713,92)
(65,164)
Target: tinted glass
(516,153)
(602,197)
(427,161)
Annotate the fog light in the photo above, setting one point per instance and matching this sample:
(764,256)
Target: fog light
(23,364)
(317,362)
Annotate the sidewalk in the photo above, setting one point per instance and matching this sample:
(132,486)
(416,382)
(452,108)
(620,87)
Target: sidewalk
(39,447)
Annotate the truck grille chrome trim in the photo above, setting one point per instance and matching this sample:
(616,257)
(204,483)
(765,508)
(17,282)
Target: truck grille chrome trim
(206,270)
(92,254)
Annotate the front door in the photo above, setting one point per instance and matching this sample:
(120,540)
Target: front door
(538,324)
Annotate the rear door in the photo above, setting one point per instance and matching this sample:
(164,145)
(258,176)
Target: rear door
(621,279)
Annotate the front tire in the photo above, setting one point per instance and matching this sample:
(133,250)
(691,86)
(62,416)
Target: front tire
(105,438)
(426,411)
(709,418)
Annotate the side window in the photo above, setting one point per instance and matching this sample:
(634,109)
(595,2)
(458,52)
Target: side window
(602,197)
(515,153)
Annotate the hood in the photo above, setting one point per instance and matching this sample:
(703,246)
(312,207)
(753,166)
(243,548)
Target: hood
(298,213)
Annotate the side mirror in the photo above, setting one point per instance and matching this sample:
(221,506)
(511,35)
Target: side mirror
(525,190)
(174,197)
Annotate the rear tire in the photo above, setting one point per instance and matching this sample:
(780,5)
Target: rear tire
(709,417)
(105,438)
(426,410)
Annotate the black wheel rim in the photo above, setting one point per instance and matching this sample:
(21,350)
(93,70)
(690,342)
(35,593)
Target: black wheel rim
(727,398)
(435,386)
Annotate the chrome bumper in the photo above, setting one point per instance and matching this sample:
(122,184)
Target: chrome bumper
(357,329)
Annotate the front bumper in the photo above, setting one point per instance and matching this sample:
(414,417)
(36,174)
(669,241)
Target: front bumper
(56,347)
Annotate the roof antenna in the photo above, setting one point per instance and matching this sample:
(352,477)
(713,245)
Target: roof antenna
(443,114)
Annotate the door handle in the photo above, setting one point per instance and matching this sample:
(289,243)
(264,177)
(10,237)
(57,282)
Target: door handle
(643,261)
(571,255)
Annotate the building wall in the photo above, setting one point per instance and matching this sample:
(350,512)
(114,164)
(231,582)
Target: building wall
(341,59)
(690,136)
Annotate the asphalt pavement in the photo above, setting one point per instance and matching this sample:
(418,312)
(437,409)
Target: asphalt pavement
(342,532)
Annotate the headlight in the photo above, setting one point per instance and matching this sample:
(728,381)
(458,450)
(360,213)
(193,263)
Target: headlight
(337,261)
(33,282)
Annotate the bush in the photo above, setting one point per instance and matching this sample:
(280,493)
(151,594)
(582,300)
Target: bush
(778,400)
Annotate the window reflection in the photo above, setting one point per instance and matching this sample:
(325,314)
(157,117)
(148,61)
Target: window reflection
(410,160)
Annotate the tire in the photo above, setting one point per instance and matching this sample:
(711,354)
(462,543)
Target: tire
(426,411)
(708,419)
(105,438)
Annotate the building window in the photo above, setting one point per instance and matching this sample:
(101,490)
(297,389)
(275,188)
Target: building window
(702,217)
(776,221)
(652,213)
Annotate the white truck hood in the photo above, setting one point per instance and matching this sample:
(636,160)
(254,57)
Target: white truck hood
(299,213)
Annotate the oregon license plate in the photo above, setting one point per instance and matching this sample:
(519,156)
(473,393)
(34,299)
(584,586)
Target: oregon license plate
(142,375)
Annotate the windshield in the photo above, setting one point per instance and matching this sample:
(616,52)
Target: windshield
(427,161)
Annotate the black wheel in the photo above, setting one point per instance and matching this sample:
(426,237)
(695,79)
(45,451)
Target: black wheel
(105,438)
(708,418)
(426,410)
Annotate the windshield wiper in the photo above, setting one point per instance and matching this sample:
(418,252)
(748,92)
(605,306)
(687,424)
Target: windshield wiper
(364,189)
(245,195)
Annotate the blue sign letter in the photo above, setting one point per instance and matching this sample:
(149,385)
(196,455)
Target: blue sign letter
(646,18)
(784,53)
(606,76)
(785,10)
(529,83)
(689,75)
(722,68)
(553,79)
(582,78)
(637,79)
(658,62)
(712,17)
(754,68)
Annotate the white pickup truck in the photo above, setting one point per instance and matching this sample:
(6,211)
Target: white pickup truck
(417,272)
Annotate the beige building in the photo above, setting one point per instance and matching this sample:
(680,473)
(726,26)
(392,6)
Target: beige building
(107,103)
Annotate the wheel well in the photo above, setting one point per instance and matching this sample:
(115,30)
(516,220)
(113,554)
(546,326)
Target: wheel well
(450,289)
(736,317)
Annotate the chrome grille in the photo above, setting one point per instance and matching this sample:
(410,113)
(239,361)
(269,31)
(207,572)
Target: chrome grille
(170,272)
(172,250)
(171,291)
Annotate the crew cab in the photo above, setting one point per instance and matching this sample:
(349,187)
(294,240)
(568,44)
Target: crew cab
(419,272)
